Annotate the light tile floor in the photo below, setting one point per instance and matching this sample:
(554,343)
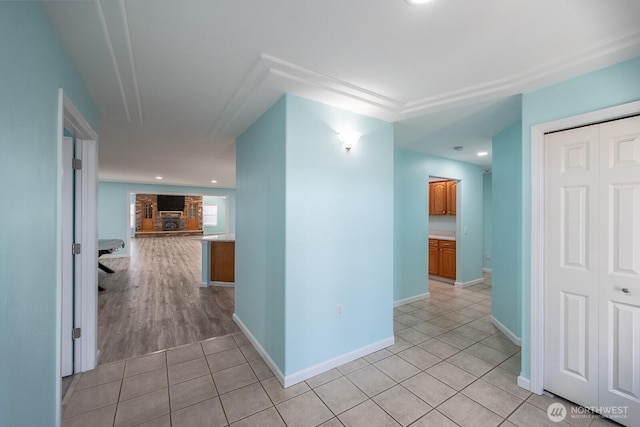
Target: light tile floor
(449,366)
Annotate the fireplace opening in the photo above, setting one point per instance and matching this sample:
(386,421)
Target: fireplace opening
(171,221)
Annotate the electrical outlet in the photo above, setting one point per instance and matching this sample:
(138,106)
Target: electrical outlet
(487,256)
(339,310)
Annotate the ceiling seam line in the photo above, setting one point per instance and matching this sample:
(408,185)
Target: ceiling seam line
(112,54)
(127,36)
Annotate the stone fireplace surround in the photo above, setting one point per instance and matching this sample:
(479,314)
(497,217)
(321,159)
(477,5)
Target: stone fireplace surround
(166,222)
(171,221)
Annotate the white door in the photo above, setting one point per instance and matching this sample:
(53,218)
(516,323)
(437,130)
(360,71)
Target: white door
(619,279)
(571,265)
(67,213)
(592,256)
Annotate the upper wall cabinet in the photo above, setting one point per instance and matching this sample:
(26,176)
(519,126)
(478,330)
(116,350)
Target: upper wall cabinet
(442,197)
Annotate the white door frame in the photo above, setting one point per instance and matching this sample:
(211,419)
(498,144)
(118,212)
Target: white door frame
(86,294)
(536,382)
(67,215)
(86,273)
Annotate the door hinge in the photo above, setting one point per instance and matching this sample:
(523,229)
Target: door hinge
(76,164)
(76,333)
(76,248)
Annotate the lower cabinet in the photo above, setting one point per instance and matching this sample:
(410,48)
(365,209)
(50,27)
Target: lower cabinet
(223,257)
(442,258)
(434,258)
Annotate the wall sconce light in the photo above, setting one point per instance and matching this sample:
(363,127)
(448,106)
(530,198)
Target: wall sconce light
(349,139)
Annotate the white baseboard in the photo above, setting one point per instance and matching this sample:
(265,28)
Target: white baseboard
(312,371)
(223,284)
(219,284)
(114,255)
(517,341)
(441,279)
(524,383)
(411,299)
(487,270)
(469,283)
(261,351)
(327,365)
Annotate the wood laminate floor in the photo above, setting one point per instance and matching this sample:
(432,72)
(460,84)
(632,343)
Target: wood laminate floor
(154,301)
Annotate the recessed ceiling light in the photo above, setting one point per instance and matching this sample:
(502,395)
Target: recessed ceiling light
(214,181)
(158,177)
(416,2)
(482,153)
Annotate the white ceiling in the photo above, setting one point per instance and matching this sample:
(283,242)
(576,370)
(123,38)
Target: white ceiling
(177,81)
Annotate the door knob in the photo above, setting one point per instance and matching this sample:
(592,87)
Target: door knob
(625,290)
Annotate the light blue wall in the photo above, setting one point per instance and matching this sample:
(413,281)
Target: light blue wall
(260,234)
(33,67)
(339,233)
(221,203)
(506,220)
(314,230)
(608,87)
(411,220)
(442,223)
(487,219)
(113,205)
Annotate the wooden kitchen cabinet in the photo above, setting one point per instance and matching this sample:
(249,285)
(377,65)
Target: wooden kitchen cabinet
(442,197)
(452,190)
(434,259)
(223,259)
(438,198)
(447,259)
(442,258)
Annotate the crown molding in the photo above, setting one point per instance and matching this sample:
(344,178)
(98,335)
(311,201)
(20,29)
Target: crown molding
(321,81)
(525,81)
(278,76)
(250,85)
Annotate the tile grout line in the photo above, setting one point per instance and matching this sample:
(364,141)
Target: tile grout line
(396,383)
(166,361)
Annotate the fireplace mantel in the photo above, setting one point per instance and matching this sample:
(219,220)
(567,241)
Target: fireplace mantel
(172,214)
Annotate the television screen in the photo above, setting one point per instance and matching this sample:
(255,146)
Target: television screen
(170,203)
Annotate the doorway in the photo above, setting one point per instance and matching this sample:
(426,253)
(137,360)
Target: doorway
(153,300)
(593,317)
(77,243)
(444,224)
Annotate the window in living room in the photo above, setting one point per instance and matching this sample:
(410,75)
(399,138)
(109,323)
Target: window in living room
(210,215)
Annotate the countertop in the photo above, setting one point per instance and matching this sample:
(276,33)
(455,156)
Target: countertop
(443,235)
(217,238)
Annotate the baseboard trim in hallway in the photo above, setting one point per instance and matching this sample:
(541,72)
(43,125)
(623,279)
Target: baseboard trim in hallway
(411,299)
(305,374)
(517,341)
(261,351)
(449,365)
(469,283)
